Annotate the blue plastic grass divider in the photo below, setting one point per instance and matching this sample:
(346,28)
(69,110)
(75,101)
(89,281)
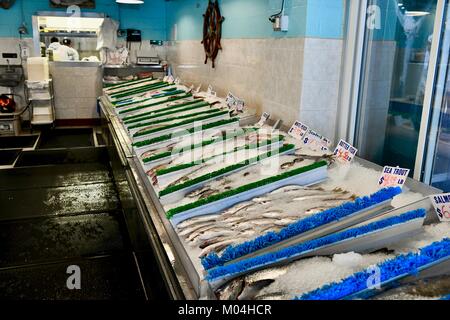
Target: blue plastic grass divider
(334,214)
(407,264)
(259,261)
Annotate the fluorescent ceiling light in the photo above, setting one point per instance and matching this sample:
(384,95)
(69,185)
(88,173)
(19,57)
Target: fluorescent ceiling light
(70,23)
(416,13)
(130,1)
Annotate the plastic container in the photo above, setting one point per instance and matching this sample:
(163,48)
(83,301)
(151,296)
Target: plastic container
(37,69)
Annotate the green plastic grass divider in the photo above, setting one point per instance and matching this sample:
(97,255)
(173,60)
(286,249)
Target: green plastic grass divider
(205,143)
(126,83)
(122,105)
(250,146)
(170,89)
(138,91)
(170,99)
(225,170)
(167,94)
(199,203)
(126,102)
(184,132)
(186,116)
(168,113)
(175,125)
(140,87)
(154,97)
(173,107)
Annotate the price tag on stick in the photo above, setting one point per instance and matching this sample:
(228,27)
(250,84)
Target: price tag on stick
(298,130)
(345,152)
(441,203)
(265,116)
(230,100)
(393,177)
(240,104)
(316,142)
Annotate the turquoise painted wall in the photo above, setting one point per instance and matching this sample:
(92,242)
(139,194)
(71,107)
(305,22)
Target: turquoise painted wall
(244,18)
(149,17)
(325,19)
(249,18)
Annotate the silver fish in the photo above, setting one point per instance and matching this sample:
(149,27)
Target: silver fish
(249,286)
(231,291)
(199,192)
(251,290)
(197,220)
(277,296)
(433,287)
(238,208)
(291,163)
(217,247)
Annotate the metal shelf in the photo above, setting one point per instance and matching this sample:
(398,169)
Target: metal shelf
(69,34)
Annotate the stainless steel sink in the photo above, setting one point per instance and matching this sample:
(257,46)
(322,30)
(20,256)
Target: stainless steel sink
(10,76)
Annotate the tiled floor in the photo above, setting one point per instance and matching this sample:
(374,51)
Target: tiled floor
(61,207)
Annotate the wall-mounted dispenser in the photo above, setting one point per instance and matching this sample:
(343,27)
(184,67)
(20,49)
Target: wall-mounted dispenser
(280,21)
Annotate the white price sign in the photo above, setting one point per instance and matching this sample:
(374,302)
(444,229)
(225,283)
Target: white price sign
(240,104)
(441,203)
(166,78)
(177,81)
(345,152)
(298,130)
(230,100)
(393,177)
(264,118)
(316,142)
(210,89)
(170,79)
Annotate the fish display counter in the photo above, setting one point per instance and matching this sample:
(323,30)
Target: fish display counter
(237,209)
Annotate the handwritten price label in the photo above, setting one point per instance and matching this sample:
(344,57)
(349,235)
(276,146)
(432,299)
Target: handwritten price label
(345,152)
(170,79)
(441,203)
(393,177)
(298,130)
(316,142)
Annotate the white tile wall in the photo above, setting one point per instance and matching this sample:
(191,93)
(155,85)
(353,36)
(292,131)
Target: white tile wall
(292,78)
